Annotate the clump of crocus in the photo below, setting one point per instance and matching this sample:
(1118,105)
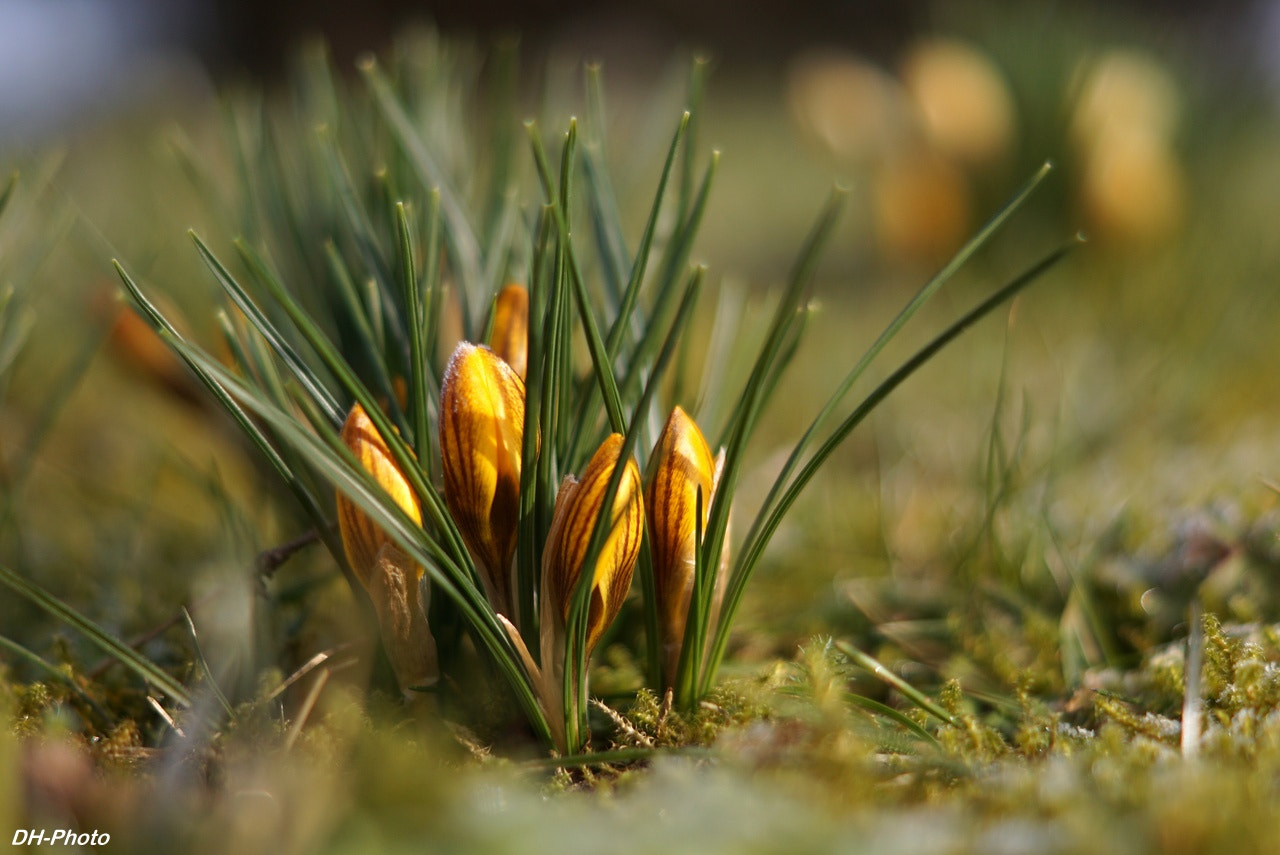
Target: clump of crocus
(383,569)
(684,476)
(481,430)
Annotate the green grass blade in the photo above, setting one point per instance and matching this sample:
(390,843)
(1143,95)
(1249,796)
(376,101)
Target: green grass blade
(127,656)
(908,691)
(301,491)
(461,238)
(606,221)
(432,503)
(415,321)
(204,665)
(930,288)
(753,549)
(696,95)
(886,711)
(366,342)
(300,370)
(536,479)
(771,361)
(626,318)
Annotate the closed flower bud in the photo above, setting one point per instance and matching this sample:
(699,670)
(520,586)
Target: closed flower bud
(683,467)
(481,431)
(510,336)
(361,537)
(387,574)
(578,505)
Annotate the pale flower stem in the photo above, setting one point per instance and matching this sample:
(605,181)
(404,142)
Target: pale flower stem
(1192,705)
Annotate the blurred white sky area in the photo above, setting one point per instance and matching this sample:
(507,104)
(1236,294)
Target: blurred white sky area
(61,60)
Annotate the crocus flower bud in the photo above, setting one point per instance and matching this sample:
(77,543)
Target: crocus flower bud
(510,336)
(578,505)
(387,574)
(481,430)
(683,467)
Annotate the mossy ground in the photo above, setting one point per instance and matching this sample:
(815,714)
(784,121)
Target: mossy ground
(1020,533)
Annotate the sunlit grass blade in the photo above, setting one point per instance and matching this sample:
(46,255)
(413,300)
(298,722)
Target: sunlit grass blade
(300,490)
(459,234)
(366,343)
(537,475)
(606,222)
(415,321)
(763,379)
(752,549)
(886,711)
(626,318)
(127,656)
(204,665)
(908,691)
(360,226)
(930,288)
(304,374)
(696,94)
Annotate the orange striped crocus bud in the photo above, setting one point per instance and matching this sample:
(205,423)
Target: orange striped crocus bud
(683,467)
(481,431)
(578,505)
(387,574)
(510,336)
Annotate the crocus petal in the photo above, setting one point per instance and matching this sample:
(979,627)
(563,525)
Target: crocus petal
(683,467)
(578,505)
(387,574)
(510,336)
(481,430)
(362,539)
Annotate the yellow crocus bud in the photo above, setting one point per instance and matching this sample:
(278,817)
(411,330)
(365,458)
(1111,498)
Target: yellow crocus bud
(578,505)
(683,466)
(481,431)
(510,336)
(387,574)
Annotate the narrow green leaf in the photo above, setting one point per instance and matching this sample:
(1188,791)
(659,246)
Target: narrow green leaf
(300,370)
(297,486)
(461,238)
(906,689)
(415,321)
(753,549)
(930,288)
(204,665)
(125,655)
